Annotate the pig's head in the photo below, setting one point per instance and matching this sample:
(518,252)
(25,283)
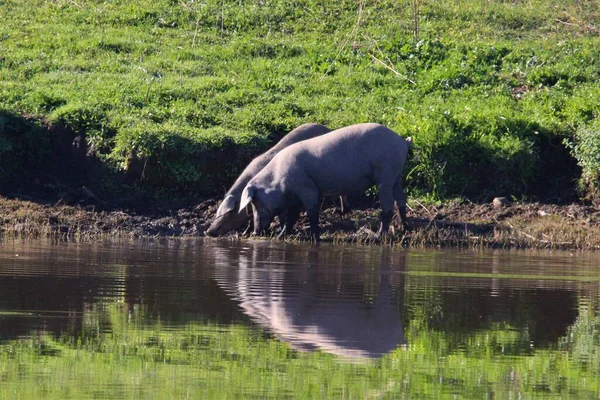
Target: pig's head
(266,204)
(228,218)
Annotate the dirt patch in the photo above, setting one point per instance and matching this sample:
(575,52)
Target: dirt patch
(526,225)
(21,218)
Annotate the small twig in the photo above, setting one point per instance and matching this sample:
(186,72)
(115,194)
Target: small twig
(352,34)
(74,3)
(421,204)
(147,92)
(222,17)
(565,22)
(430,222)
(526,234)
(531,237)
(392,69)
(91,194)
(416,27)
(428,212)
(389,65)
(578,24)
(184,4)
(144,170)
(426,209)
(196,32)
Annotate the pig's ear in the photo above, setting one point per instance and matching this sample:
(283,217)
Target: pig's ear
(228,204)
(247,196)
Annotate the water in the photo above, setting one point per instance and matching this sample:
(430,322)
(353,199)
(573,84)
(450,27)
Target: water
(221,319)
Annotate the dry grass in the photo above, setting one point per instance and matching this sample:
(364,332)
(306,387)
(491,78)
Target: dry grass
(554,231)
(24,219)
(523,225)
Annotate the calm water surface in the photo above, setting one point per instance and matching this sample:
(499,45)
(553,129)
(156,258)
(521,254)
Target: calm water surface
(221,319)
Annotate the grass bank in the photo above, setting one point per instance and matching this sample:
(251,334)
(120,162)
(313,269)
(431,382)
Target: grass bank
(175,97)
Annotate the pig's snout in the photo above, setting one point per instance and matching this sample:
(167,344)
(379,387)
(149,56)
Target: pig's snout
(211,231)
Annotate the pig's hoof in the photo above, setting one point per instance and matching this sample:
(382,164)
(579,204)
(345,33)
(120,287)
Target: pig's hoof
(383,236)
(247,231)
(405,228)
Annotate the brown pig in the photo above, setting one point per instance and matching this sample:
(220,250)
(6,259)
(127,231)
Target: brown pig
(346,161)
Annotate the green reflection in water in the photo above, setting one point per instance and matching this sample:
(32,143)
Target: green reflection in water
(141,359)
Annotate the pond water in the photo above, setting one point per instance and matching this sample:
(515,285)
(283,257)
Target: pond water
(228,319)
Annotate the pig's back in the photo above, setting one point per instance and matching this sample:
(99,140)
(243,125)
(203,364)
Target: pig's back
(352,143)
(347,160)
(299,134)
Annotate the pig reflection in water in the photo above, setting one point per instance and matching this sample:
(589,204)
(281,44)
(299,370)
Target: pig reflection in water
(319,302)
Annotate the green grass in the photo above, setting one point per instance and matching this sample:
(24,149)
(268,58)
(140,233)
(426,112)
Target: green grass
(180,95)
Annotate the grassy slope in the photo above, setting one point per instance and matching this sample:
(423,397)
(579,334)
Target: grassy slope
(489,91)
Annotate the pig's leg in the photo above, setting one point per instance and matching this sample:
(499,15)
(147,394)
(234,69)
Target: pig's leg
(344,205)
(400,198)
(386,198)
(310,200)
(289,220)
(283,216)
(249,228)
(313,218)
(292,218)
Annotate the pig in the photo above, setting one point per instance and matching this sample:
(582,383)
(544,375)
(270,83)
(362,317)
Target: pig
(346,161)
(228,217)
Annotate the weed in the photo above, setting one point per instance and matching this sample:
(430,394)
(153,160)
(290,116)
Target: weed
(586,149)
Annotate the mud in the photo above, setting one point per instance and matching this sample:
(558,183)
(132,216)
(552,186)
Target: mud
(462,224)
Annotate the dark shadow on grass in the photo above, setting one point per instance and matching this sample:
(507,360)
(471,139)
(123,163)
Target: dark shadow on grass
(45,163)
(52,163)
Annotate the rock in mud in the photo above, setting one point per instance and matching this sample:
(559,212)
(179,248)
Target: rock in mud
(500,202)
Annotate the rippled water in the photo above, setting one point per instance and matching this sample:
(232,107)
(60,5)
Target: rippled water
(217,319)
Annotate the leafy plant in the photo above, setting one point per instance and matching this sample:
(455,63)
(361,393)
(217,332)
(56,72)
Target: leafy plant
(585,147)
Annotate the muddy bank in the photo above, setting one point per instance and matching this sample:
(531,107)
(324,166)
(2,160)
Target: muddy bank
(462,224)
(65,191)
(24,218)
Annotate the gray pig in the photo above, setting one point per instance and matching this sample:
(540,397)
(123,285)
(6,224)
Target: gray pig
(228,217)
(346,161)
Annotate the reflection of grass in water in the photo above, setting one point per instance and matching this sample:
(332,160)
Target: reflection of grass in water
(14,314)
(145,360)
(506,276)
